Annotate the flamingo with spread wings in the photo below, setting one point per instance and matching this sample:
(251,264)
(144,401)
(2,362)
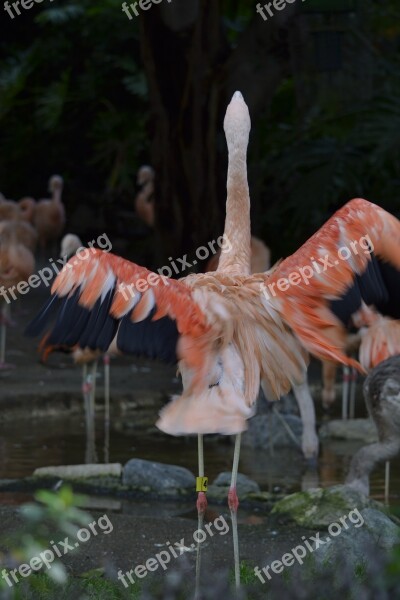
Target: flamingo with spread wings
(227,335)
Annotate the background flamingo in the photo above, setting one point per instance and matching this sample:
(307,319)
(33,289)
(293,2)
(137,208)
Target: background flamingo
(144,200)
(17,263)
(226,333)
(19,232)
(88,359)
(49,214)
(9,209)
(382,397)
(27,207)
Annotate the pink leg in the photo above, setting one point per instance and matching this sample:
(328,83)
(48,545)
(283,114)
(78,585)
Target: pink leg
(233,500)
(233,503)
(201,487)
(201,503)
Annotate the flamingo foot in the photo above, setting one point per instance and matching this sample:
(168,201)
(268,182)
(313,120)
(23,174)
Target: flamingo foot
(233,500)
(201,503)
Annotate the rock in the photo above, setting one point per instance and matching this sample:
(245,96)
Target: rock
(267,430)
(374,531)
(351,429)
(318,508)
(149,476)
(219,488)
(74,472)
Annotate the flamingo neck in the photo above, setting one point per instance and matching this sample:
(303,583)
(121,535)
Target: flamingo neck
(237,221)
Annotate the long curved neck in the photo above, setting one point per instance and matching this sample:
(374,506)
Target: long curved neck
(237,221)
(56,195)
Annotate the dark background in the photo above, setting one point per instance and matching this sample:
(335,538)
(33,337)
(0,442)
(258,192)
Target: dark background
(88,93)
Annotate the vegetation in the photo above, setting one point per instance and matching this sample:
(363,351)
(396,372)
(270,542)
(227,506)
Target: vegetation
(88,93)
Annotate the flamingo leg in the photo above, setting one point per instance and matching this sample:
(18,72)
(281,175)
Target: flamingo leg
(233,503)
(345,392)
(201,509)
(309,440)
(353,383)
(387,481)
(5,320)
(89,394)
(106,361)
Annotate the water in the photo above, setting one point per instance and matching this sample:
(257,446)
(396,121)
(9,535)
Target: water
(28,444)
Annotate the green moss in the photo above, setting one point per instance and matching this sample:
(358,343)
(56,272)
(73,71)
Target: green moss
(316,509)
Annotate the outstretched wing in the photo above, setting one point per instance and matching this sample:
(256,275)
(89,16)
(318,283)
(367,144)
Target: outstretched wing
(354,257)
(103,297)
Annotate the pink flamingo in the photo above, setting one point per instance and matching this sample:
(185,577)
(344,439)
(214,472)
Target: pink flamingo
(227,332)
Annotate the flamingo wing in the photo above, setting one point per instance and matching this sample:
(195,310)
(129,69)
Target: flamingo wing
(102,297)
(353,258)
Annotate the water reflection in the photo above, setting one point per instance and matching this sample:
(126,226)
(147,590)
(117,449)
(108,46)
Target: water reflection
(26,445)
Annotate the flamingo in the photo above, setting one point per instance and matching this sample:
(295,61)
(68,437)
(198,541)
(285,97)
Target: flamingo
(382,397)
(9,209)
(49,214)
(27,207)
(144,201)
(260,261)
(21,232)
(70,244)
(17,263)
(225,330)
(377,339)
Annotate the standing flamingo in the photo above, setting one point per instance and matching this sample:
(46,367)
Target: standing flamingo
(227,332)
(88,359)
(17,263)
(19,232)
(27,207)
(144,201)
(260,261)
(9,209)
(49,214)
(382,397)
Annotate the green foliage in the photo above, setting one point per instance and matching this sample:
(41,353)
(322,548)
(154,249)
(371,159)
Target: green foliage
(72,98)
(314,164)
(54,516)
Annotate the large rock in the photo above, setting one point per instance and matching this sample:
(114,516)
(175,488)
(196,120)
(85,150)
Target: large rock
(267,430)
(318,508)
(75,472)
(351,429)
(148,476)
(219,488)
(375,532)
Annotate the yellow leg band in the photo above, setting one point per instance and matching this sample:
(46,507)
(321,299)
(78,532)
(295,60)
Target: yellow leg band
(201,484)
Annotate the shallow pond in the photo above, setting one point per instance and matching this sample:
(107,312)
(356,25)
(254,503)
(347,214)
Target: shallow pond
(28,444)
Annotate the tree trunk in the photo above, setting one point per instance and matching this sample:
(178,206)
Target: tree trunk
(192,72)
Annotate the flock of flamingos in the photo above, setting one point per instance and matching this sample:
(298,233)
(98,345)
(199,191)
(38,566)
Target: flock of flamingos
(227,336)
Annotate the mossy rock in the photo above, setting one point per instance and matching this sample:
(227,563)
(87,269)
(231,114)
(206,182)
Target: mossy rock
(317,508)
